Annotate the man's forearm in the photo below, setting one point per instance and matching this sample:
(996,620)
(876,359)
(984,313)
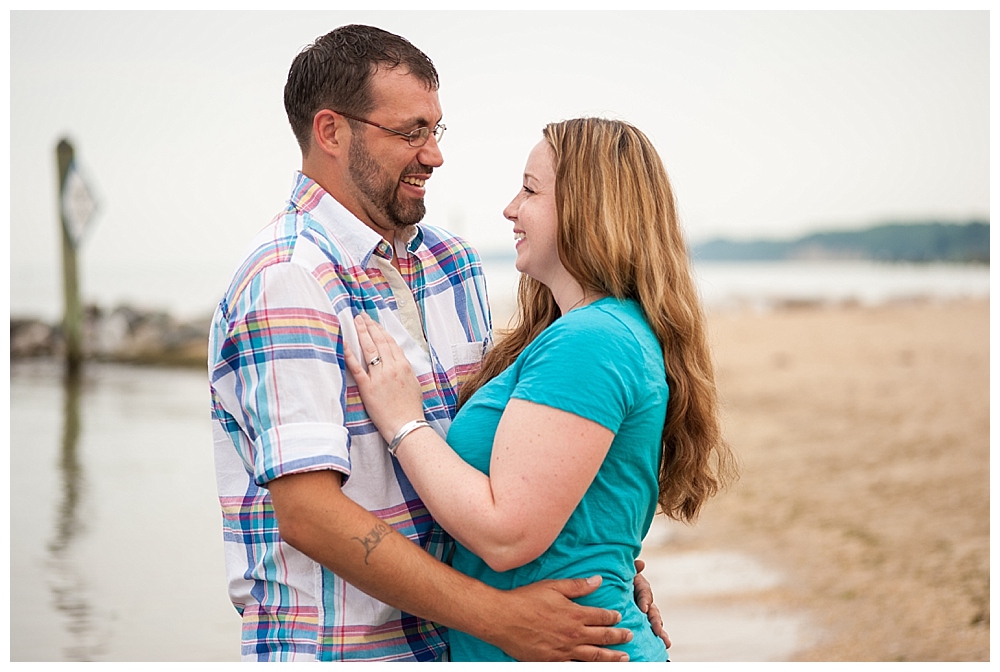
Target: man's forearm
(318,519)
(534,622)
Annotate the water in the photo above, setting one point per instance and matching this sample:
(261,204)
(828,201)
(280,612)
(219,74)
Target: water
(720,630)
(115,529)
(709,605)
(192,290)
(763,285)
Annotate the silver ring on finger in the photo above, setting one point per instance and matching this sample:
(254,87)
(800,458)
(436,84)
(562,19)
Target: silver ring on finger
(374,360)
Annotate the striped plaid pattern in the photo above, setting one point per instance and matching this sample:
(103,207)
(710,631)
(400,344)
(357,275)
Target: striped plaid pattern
(283,403)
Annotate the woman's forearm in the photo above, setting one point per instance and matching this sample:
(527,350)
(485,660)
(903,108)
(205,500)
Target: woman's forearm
(541,464)
(462,500)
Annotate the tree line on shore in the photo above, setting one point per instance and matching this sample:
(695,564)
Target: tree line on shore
(967,242)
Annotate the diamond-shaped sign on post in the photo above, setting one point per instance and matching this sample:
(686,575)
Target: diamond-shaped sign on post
(78,205)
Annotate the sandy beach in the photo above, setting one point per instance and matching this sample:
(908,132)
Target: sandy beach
(864,438)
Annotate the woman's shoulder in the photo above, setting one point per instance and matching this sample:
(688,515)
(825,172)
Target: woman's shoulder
(618,326)
(602,346)
(608,324)
(609,316)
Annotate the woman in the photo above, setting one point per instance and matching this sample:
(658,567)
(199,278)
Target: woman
(566,442)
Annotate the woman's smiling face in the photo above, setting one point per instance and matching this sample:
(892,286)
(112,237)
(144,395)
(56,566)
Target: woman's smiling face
(533,212)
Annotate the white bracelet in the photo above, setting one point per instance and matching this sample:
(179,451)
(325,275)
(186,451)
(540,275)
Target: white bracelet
(403,432)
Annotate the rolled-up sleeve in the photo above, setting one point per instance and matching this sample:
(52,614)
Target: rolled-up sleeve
(284,350)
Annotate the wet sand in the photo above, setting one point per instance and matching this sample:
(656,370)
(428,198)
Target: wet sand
(859,530)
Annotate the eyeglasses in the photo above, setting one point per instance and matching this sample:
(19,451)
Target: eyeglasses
(416,138)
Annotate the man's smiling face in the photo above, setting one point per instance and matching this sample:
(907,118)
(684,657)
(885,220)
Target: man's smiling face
(387,174)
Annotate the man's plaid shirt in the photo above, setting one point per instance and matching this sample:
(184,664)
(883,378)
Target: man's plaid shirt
(282,403)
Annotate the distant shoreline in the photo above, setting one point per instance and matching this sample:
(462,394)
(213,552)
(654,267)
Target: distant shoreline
(128,336)
(916,242)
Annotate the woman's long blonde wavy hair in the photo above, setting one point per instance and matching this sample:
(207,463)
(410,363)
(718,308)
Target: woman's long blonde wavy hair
(618,235)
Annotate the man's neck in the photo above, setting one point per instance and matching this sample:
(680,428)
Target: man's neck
(335,186)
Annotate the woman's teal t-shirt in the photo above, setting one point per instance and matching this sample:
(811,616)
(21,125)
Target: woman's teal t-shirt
(601,362)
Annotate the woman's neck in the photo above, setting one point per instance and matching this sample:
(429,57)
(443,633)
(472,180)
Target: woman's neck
(572,295)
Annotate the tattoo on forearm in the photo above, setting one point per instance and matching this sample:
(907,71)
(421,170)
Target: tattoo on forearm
(373,538)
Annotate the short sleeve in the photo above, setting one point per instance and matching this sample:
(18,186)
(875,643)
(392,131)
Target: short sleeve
(285,351)
(589,367)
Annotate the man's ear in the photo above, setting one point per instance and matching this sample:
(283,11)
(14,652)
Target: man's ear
(330,132)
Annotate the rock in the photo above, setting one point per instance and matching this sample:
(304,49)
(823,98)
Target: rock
(125,334)
(31,338)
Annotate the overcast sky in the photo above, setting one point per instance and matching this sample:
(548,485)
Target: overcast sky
(770,124)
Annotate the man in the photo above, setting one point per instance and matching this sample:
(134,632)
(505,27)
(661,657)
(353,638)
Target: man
(330,553)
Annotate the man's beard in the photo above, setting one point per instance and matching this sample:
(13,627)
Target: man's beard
(380,189)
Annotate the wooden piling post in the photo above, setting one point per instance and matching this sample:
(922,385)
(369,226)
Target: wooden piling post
(73,311)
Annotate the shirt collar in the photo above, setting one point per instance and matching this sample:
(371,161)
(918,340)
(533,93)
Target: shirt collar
(358,238)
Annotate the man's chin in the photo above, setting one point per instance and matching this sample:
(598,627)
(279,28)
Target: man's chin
(409,216)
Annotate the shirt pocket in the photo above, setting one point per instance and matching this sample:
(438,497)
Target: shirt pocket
(467,359)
